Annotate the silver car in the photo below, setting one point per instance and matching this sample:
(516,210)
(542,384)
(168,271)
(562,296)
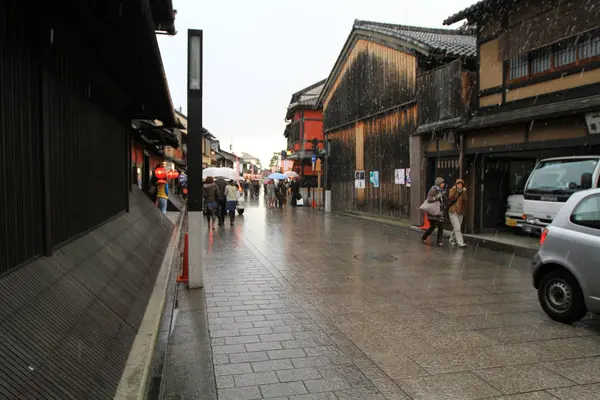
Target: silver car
(566,269)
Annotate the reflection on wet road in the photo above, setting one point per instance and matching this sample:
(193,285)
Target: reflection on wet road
(300,302)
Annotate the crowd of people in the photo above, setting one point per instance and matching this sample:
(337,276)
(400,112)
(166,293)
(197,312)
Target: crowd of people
(251,188)
(222,197)
(277,192)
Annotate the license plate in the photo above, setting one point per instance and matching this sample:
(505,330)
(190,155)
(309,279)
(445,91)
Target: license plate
(511,222)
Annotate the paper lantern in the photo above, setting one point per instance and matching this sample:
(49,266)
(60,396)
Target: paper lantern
(173,174)
(160,173)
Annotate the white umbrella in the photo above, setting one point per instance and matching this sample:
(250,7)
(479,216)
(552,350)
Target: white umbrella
(223,172)
(291,174)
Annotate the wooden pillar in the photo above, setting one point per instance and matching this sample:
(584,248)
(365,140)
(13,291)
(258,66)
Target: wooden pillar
(360,157)
(461,157)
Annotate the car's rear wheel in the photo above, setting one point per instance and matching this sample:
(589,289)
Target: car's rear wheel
(561,297)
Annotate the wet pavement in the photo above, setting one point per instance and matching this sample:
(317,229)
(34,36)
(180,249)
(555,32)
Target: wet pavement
(304,305)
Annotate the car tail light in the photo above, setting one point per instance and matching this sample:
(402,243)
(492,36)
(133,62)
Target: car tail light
(543,237)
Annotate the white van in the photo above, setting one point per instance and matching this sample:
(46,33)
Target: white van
(550,185)
(514,211)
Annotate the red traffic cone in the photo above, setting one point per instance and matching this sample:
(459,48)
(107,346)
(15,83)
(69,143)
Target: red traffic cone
(426,223)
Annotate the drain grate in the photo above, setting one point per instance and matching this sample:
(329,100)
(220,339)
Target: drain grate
(375,257)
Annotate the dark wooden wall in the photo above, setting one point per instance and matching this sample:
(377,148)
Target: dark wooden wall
(64,146)
(535,23)
(439,93)
(381,144)
(386,149)
(342,166)
(374,78)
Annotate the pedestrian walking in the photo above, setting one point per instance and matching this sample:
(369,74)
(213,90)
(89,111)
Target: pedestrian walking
(210,192)
(222,209)
(279,194)
(295,192)
(270,192)
(457,207)
(231,193)
(162,195)
(434,207)
(256,187)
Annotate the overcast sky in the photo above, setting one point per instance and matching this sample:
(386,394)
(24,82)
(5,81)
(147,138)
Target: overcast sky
(257,53)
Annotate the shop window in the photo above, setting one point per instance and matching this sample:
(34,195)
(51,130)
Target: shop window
(518,67)
(587,212)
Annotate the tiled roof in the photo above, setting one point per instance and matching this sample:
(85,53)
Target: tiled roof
(481,8)
(449,41)
(306,97)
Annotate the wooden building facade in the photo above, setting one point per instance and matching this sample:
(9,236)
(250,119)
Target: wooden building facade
(538,79)
(371,110)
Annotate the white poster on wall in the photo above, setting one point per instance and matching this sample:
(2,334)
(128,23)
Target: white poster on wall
(399,176)
(407,177)
(359,179)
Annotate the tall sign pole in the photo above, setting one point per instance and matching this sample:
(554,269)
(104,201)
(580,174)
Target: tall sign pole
(194,159)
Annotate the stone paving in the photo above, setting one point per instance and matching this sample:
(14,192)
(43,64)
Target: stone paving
(303,305)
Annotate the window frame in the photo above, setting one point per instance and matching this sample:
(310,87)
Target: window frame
(553,49)
(520,78)
(572,219)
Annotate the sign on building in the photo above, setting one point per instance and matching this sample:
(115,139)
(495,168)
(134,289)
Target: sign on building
(399,176)
(359,179)
(374,178)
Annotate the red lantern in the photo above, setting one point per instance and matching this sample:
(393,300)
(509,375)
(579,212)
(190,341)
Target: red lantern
(160,173)
(173,174)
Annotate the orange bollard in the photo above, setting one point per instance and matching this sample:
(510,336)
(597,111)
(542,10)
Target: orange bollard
(426,223)
(185,270)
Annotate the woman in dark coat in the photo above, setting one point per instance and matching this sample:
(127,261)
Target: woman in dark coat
(436,193)
(211,194)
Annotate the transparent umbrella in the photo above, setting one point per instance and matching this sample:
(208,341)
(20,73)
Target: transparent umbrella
(222,172)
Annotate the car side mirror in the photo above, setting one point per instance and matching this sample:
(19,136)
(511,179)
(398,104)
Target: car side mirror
(586,180)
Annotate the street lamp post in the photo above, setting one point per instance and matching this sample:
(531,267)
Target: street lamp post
(195,151)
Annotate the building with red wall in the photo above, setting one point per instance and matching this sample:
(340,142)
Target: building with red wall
(304,131)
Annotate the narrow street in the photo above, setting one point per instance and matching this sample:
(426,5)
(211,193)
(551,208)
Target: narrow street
(304,305)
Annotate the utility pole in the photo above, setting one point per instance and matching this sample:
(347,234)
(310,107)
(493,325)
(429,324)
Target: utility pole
(196,142)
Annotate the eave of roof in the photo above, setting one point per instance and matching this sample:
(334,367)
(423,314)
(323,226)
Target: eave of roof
(451,123)
(479,10)
(557,109)
(310,103)
(306,89)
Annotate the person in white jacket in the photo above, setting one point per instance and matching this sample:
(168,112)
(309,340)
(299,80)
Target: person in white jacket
(231,200)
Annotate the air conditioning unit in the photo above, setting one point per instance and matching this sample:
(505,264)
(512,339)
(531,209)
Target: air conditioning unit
(593,122)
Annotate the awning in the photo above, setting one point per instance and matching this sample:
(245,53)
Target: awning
(158,134)
(437,126)
(557,109)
